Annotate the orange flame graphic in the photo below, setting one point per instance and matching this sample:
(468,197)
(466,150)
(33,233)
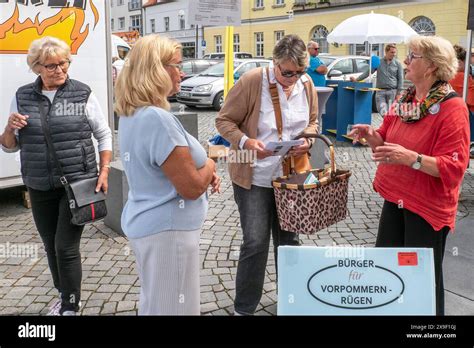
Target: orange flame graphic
(16,37)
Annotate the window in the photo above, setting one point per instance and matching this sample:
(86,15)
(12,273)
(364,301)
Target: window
(122,23)
(167,23)
(187,68)
(362,65)
(319,35)
(136,23)
(246,67)
(120,3)
(279,35)
(182,23)
(112,24)
(345,66)
(279,2)
(236,43)
(259,44)
(218,43)
(423,26)
(152,25)
(258,3)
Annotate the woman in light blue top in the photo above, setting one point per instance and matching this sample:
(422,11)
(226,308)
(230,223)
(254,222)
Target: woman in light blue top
(168,174)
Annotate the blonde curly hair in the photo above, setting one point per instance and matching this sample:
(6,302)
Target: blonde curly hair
(438,51)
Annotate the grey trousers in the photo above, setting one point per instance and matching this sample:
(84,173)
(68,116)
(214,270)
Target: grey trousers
(258,216)
(168,269)
(383,100)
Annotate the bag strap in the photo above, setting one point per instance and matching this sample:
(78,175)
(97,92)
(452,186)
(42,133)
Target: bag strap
(49,142)
(276,105)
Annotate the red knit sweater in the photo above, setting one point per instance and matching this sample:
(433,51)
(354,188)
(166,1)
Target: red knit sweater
(444,136)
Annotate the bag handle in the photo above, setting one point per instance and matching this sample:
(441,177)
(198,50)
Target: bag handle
(276,105)
(329,144)
(49,143)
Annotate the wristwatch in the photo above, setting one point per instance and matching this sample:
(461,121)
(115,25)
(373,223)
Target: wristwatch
(417,164)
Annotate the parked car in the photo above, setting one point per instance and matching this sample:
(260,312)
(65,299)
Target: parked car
(207,88)
(344,67)
(192,67)
(237,55)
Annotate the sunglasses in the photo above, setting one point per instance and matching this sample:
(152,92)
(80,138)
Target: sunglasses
(290,74)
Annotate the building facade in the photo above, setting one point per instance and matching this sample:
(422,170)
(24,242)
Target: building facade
(126,16)
(264,22)
(170,18)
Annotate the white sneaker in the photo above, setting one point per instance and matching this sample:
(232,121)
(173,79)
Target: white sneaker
(69,313)
(55,308)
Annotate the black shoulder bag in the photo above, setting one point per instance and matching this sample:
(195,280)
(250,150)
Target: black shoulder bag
(85,204)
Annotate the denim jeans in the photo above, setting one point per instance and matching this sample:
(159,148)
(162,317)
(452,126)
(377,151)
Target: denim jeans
(258,216)
(61,241)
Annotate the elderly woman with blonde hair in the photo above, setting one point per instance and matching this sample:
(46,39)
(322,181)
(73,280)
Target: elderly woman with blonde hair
(70,113)
(423,151)
(168,174)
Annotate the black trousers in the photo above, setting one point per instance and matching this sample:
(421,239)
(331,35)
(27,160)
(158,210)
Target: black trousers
(61,240)
(403,228)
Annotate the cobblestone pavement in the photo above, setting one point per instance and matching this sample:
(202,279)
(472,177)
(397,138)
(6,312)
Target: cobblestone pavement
(110,282)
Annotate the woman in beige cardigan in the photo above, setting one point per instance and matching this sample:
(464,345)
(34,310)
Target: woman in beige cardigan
(247,121)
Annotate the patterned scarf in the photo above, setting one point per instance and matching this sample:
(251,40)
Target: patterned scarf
(410,111)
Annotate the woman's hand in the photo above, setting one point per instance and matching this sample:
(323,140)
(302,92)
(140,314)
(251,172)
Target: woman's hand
(257,145)
(16,121)
(103,181)
(300,149)
(215,183)
(361,133)
(394,154)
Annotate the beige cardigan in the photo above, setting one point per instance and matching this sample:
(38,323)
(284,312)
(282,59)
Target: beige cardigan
(240,114)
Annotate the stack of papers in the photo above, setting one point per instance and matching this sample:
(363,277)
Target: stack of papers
(281,148)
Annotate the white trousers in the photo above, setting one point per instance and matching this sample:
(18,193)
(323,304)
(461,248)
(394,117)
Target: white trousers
(168,269)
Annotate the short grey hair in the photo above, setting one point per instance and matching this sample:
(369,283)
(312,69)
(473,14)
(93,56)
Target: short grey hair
(47,47)
(311,43)
(291,48)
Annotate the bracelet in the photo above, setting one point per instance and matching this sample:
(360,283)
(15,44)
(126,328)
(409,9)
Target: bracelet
(105,166)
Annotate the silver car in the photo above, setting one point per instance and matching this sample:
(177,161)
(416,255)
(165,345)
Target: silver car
(344,67)
(207,88)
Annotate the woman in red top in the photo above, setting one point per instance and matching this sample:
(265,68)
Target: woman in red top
(423,151)
(458,84)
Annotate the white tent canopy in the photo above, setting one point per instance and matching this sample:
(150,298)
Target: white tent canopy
(374,28)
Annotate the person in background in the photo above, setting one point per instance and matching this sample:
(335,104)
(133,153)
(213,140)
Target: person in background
(168,174)
(422,148)
(389,79)
(316,69)
(458,82)
(247,120)
(71,130)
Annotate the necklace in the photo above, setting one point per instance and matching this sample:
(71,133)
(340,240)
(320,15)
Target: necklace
(288,91)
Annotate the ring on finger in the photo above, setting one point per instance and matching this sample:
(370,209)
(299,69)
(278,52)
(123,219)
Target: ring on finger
(387,159)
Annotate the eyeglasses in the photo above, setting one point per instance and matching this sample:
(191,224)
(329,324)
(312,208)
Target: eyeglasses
(179,66)
(290,74)
(412,56)
(52,67)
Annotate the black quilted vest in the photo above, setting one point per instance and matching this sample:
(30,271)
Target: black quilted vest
(70,133)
